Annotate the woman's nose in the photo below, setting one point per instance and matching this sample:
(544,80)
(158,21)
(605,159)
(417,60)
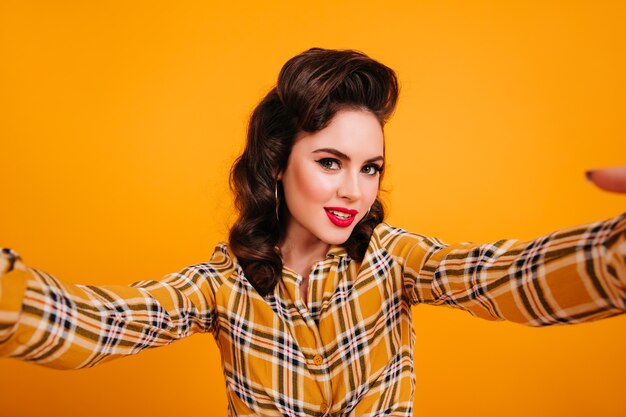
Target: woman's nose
(350,187)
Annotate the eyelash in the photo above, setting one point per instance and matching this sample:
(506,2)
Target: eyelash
(324,162)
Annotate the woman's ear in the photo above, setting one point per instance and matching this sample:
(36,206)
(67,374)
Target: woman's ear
(279,175)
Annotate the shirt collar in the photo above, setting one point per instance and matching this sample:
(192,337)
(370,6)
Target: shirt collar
(337,251)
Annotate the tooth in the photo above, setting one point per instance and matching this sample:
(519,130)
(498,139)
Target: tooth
(341,215)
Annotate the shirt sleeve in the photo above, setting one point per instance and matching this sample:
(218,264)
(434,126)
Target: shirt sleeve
(59,325)
(572,275)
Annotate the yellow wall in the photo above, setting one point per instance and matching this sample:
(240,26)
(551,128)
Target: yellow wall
(119,121)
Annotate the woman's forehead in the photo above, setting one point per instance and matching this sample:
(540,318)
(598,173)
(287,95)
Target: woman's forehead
(352,132)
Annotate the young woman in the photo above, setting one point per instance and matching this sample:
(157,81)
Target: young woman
(309,302)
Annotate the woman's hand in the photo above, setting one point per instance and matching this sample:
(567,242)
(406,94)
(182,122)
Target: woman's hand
(10,260)
(609,179)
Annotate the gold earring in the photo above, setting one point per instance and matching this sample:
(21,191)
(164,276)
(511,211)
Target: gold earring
(276,198)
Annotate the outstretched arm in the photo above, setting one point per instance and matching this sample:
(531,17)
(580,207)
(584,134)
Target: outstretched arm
(59,325)
(568,276)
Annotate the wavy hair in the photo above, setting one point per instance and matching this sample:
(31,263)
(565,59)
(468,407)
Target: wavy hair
(311,88)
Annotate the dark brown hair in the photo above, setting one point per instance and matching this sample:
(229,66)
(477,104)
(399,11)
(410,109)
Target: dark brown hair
(311,88)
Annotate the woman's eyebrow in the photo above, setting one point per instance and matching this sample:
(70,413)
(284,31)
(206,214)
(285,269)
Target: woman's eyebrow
(345,157)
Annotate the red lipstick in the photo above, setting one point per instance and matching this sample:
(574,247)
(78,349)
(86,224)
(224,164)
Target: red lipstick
(341,216)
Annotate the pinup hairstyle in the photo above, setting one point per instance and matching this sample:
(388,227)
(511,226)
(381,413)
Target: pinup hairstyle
(311,88)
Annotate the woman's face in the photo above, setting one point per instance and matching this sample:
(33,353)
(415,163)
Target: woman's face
(332,177)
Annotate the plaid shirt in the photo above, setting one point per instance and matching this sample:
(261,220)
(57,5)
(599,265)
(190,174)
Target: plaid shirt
(349,351)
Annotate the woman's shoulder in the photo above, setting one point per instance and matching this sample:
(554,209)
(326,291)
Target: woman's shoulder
(388,234)
(395,240)
(221,265)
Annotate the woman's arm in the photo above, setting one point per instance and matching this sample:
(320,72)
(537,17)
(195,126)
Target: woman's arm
(60,325)
(570,276)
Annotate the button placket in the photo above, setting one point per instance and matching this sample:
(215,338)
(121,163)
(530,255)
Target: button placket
(318,360)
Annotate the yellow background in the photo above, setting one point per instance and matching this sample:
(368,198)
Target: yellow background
(119,121)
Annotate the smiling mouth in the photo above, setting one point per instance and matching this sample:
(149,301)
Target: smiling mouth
(340,216)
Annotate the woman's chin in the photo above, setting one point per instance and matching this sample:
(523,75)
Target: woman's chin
(338,237)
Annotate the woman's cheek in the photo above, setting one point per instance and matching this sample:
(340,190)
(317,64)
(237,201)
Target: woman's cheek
(371,190)
(316,185)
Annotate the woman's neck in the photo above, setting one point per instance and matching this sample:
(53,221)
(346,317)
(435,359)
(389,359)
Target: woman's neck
(300,249)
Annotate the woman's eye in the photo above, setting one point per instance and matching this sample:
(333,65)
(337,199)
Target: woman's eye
(329,163)
(371,169)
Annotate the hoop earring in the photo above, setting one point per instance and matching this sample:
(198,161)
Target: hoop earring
(276,198)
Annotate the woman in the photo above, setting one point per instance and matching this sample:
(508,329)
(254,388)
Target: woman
(309,302)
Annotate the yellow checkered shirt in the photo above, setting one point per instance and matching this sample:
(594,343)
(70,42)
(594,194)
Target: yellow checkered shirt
(349,350)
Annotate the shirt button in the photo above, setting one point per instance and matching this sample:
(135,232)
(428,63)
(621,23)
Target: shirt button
(318,360)
(324,407)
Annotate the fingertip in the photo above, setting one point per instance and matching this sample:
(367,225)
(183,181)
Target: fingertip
(609,179)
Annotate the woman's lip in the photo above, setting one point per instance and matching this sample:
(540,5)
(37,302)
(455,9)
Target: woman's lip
(338,221)
(343,210)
